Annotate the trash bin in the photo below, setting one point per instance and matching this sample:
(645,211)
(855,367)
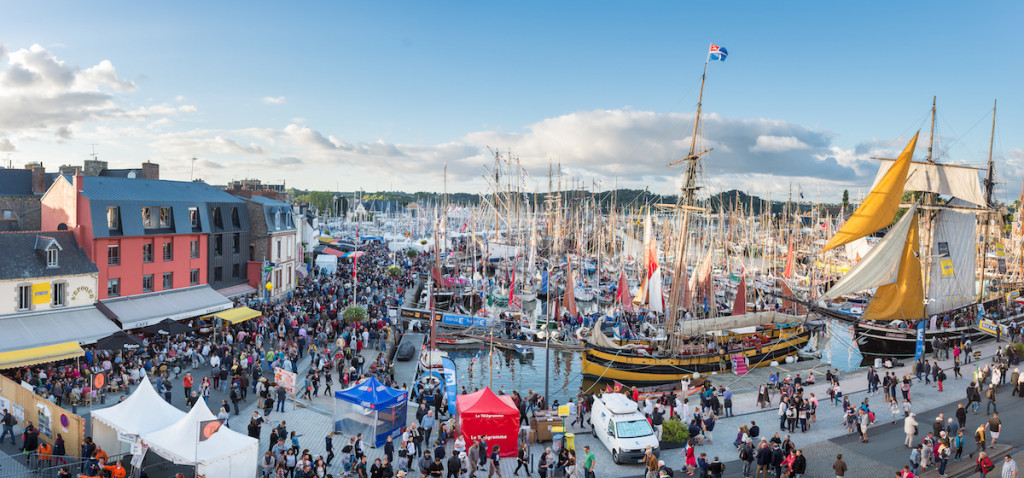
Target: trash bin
(878,363)
(570,441)
(556,443)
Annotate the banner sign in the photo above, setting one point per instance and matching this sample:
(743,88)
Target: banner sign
(450,383)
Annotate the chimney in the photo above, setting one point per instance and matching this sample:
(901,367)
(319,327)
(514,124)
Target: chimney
(150,170)
(38,179)
(79,181)
(68,170)
(93,167)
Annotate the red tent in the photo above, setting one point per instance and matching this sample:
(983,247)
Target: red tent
(491,417)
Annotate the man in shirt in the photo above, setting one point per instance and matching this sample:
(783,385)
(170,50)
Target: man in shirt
(436,468)
(839,466)
(1009,468)
(588,462)
(427,426)
(495,462)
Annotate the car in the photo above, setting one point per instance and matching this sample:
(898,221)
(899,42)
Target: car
(618,424)
(405,352)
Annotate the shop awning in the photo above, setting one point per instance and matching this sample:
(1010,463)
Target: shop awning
(333,252)
(83,325)
(178,304)
(236,315)
(236,290)
(356,254)
(36,355)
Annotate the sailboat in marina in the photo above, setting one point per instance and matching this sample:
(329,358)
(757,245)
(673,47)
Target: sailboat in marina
(936,284)
(688,345)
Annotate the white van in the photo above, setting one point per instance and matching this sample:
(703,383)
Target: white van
(618,423)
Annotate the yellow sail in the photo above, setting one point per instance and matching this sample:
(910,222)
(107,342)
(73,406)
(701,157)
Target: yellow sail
(903,299)
(879,208)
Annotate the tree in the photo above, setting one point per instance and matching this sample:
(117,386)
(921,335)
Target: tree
(354,314)
(393,271)
(846,198)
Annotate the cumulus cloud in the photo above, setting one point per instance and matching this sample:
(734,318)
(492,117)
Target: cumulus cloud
(274,100)
(43,96)
(6,146)
(777,144)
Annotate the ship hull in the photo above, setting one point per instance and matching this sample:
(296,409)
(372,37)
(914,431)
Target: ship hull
(879,341)
(630,368)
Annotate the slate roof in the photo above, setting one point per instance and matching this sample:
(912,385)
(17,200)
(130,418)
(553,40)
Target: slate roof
(150,190)
(16,182)
(22,259)
(273,206)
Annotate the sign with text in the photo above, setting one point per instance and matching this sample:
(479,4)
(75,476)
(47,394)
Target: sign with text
(286,379)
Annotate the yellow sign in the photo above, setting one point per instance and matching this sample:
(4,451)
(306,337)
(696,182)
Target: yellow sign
(41,293)
(989,327)
(1011,296)
(999,250)
(947,266)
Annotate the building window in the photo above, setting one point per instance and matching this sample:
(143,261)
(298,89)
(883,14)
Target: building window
(147,283)
(277,219)
(148,221)
(218,274)
(166,218)
(291,247)
(234,218)
(289,276)
(195,249)
(218,244)
(51,257)
(9,214)
(113,218)
(218,221)
(193,217)
(168,251)
(236,243)
(277,246)
(193,277)
(147,252)
(113,255)
(113,287)
(24,297)
(234,271)
(168,280)
(58,293)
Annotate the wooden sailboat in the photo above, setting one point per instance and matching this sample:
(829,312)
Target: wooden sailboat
(912,283)
(689,347)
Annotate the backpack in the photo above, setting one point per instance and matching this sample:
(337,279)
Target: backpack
(745,454)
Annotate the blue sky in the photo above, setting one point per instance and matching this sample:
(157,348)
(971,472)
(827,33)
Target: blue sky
(379,94)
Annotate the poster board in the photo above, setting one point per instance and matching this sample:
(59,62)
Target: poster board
(44,415)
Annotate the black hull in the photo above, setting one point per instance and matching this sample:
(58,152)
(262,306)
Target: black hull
(881,342)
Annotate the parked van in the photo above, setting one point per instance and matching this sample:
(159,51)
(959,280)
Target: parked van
(618,423)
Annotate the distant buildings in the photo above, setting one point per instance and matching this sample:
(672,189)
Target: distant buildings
(275,248)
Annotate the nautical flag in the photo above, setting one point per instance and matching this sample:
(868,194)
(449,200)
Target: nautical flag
(717,53)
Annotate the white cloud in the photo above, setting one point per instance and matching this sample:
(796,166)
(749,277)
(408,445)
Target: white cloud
(274,100)
(6,146)
(777,144)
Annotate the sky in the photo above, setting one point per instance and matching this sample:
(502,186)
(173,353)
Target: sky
(385,95)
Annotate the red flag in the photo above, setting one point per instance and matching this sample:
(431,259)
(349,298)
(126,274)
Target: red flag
(622,295)
(788,304)
(740,306)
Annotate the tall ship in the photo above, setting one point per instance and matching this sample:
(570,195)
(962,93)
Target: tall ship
(693,336)
(924,269)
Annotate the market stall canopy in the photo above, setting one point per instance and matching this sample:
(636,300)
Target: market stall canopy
(226,453)
(36,355)
(142,412)
(236,315)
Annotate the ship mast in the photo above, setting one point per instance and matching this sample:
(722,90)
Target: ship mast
(988,204)
(929,200)
(686,203)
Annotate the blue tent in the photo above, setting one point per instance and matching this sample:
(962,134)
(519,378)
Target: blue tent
(370,408)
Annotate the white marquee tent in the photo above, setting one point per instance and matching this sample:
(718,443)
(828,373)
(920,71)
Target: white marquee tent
(142,412)
(226,454)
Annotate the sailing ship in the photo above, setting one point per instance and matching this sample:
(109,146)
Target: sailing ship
(687,348)
(912,284)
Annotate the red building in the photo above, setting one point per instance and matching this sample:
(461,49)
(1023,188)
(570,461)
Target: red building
(148,239)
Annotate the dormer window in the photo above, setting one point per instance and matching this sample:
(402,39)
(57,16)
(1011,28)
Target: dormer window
(165,217)
(193,215)
(235,221)
(113,218)
(52,257)
(277,219)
